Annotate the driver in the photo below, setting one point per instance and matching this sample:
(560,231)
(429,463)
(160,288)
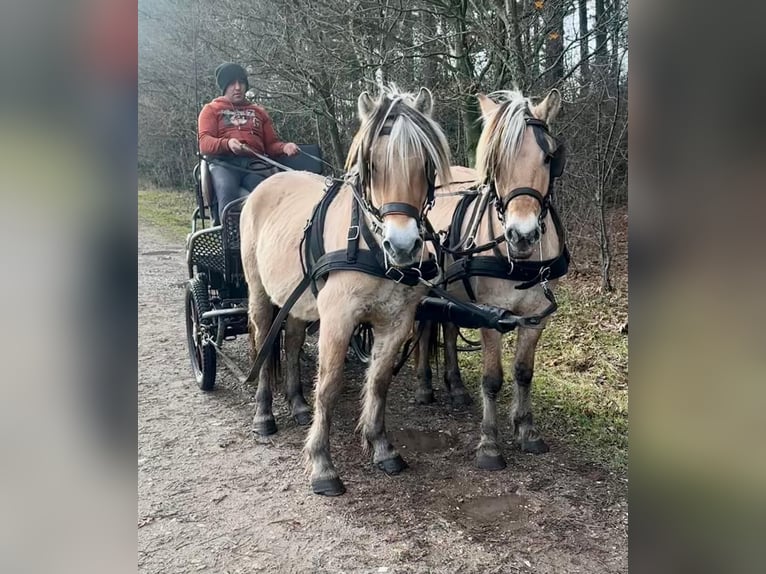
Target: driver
(230,129)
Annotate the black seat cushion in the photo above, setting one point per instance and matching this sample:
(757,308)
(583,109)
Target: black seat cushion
(303,162)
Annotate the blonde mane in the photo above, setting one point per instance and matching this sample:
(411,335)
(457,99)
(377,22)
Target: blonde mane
(413,135)
(503,132)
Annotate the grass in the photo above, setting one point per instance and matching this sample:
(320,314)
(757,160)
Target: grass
(580,388)
(167,210)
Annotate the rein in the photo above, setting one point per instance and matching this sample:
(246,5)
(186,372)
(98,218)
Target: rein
(263,158)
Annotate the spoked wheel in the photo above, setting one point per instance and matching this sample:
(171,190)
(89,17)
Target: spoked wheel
(361,343)
(202,354)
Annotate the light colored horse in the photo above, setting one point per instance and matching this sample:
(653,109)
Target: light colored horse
(510,156)
(396,154)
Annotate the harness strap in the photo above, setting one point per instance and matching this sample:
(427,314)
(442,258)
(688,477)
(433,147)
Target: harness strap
(276,327)
(398,207)
(352,245)
(367,263)
(530,273)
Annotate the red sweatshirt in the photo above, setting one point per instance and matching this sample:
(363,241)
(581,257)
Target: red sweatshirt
(220,121)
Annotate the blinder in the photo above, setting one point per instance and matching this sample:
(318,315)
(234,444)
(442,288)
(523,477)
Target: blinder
(556,161)
(557,158)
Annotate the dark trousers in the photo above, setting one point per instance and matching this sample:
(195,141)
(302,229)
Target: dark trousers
(229,181)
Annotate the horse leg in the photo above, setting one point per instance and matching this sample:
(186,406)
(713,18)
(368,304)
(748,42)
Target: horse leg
(459,396)
(261,315)
(424,394)
(295,334)
(334,336)
(488,455)
(524,429)
(388,341)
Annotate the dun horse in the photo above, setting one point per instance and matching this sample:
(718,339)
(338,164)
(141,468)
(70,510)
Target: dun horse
(392,164)
(516,159)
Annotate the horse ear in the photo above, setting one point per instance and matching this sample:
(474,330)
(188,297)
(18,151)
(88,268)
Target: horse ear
(365,105)
(487,105)
(424,103)
(549,108)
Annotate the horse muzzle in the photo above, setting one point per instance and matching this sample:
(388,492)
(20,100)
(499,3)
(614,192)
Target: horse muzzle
(402,244)
(521,245)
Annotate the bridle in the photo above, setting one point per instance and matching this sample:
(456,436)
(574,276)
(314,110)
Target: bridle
(555,159)
(360,185)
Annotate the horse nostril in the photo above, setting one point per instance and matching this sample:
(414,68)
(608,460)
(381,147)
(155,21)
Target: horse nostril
(387,245)
(418,244)
(535,236)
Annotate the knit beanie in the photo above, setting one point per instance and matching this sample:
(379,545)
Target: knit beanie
(226,73)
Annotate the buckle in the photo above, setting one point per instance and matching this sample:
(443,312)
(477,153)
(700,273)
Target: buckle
(355,230)
(399,271)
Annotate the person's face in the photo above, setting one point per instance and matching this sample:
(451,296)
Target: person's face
(235,92)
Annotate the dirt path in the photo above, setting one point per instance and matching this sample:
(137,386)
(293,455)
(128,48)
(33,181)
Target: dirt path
(213,498)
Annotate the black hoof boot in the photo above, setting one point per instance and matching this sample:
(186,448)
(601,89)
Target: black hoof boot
(424,397)
(489,462)
(536,446)
(392,466)
(328,487)
(265,428)
(303,419)
(461,401)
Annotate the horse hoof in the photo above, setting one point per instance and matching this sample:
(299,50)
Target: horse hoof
(265,428)
(392,466)
(461,401)
(303,419)
(424,397)
(328,487)
(536,446)
(489,462)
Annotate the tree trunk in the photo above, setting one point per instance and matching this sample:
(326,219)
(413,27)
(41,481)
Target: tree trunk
(615,34)
(554,45)
(520,75)
(332,126)
(428,23)
(585,78)
(600,51)
(469,106)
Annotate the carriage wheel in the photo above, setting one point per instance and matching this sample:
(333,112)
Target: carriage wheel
(202,354)
(361,343)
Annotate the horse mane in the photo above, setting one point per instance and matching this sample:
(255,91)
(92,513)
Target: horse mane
(503,133)
(413,134)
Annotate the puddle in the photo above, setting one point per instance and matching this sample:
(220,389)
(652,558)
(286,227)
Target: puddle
(506,508)
(411,440)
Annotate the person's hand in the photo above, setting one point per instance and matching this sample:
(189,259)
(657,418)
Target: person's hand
(236,146)
(291,149)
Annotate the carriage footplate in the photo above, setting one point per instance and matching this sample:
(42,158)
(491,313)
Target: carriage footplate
(467,315)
